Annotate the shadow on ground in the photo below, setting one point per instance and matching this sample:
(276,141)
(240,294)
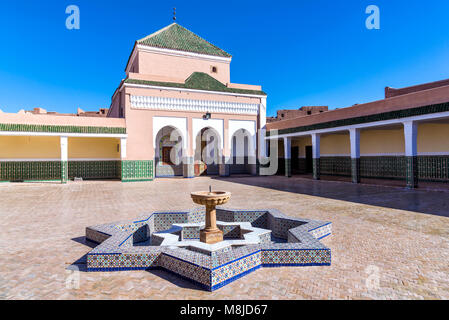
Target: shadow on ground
(422,201)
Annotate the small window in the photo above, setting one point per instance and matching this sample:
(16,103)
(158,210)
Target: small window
(213,69)
(309,113)
(282,115)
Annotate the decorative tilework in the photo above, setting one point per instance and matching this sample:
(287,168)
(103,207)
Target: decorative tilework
(433,168)
(383,167)
(95,169)
(398,114)
(124,245)
(337,166)
(60,129)
(30,170)
(137,170)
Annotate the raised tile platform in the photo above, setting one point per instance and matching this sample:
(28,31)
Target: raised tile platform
(169,240)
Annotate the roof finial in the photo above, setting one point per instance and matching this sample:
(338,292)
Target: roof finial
(174,14)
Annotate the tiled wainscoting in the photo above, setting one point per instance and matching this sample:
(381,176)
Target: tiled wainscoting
(128,170)
(137,170)
(30,170)
(94,169)
(336,166)
(430,168)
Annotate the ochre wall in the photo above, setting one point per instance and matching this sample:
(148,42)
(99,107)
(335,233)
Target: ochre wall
(382,142)
(27,147)
(94,148)
(335,144)
(433,138)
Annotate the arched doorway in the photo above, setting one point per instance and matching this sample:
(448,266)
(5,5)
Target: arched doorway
(168,152)
(207,152)
(242,152)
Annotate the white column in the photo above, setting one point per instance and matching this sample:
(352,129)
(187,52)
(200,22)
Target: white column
(354,135)
(262,127)
(316,139)
(411,141)
(64,159)
(123,148)
(287,148)
(411,153)
(64,149)
(316,145)
(288,156)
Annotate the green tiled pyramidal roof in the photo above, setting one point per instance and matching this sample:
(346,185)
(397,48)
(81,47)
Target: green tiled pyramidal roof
(198,81)
(176,37)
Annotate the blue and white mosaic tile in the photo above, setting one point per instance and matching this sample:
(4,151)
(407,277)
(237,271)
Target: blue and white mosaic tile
(170,240)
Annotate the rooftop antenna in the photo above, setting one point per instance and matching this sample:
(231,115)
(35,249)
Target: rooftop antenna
(174,14)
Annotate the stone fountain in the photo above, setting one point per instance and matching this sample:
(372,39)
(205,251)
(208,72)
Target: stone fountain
(211,247)
(211,234)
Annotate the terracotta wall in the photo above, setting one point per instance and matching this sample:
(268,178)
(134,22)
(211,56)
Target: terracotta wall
(180,67)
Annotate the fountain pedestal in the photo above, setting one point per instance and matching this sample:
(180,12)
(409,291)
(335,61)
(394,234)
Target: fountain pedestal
(211,234)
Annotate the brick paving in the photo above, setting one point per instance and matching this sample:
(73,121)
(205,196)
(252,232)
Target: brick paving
(380,249)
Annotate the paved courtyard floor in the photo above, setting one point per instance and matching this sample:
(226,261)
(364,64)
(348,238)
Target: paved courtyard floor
(387,242)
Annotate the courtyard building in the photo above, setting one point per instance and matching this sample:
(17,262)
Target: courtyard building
(176,113)
(404,136)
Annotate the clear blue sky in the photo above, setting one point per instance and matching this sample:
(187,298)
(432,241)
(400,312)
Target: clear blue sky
(304,52)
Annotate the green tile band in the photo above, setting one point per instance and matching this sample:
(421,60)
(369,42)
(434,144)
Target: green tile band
(60,129)
(137,170)
(336,166)
(30,170)
(399,114)
(95,169)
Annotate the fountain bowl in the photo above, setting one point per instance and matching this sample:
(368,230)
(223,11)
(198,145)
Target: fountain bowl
(214,198)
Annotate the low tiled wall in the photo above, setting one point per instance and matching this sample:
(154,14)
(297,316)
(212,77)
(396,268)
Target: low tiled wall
(137,170)
(430,168)
(336,166)
(30,170)
(94,169)
(127,170)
